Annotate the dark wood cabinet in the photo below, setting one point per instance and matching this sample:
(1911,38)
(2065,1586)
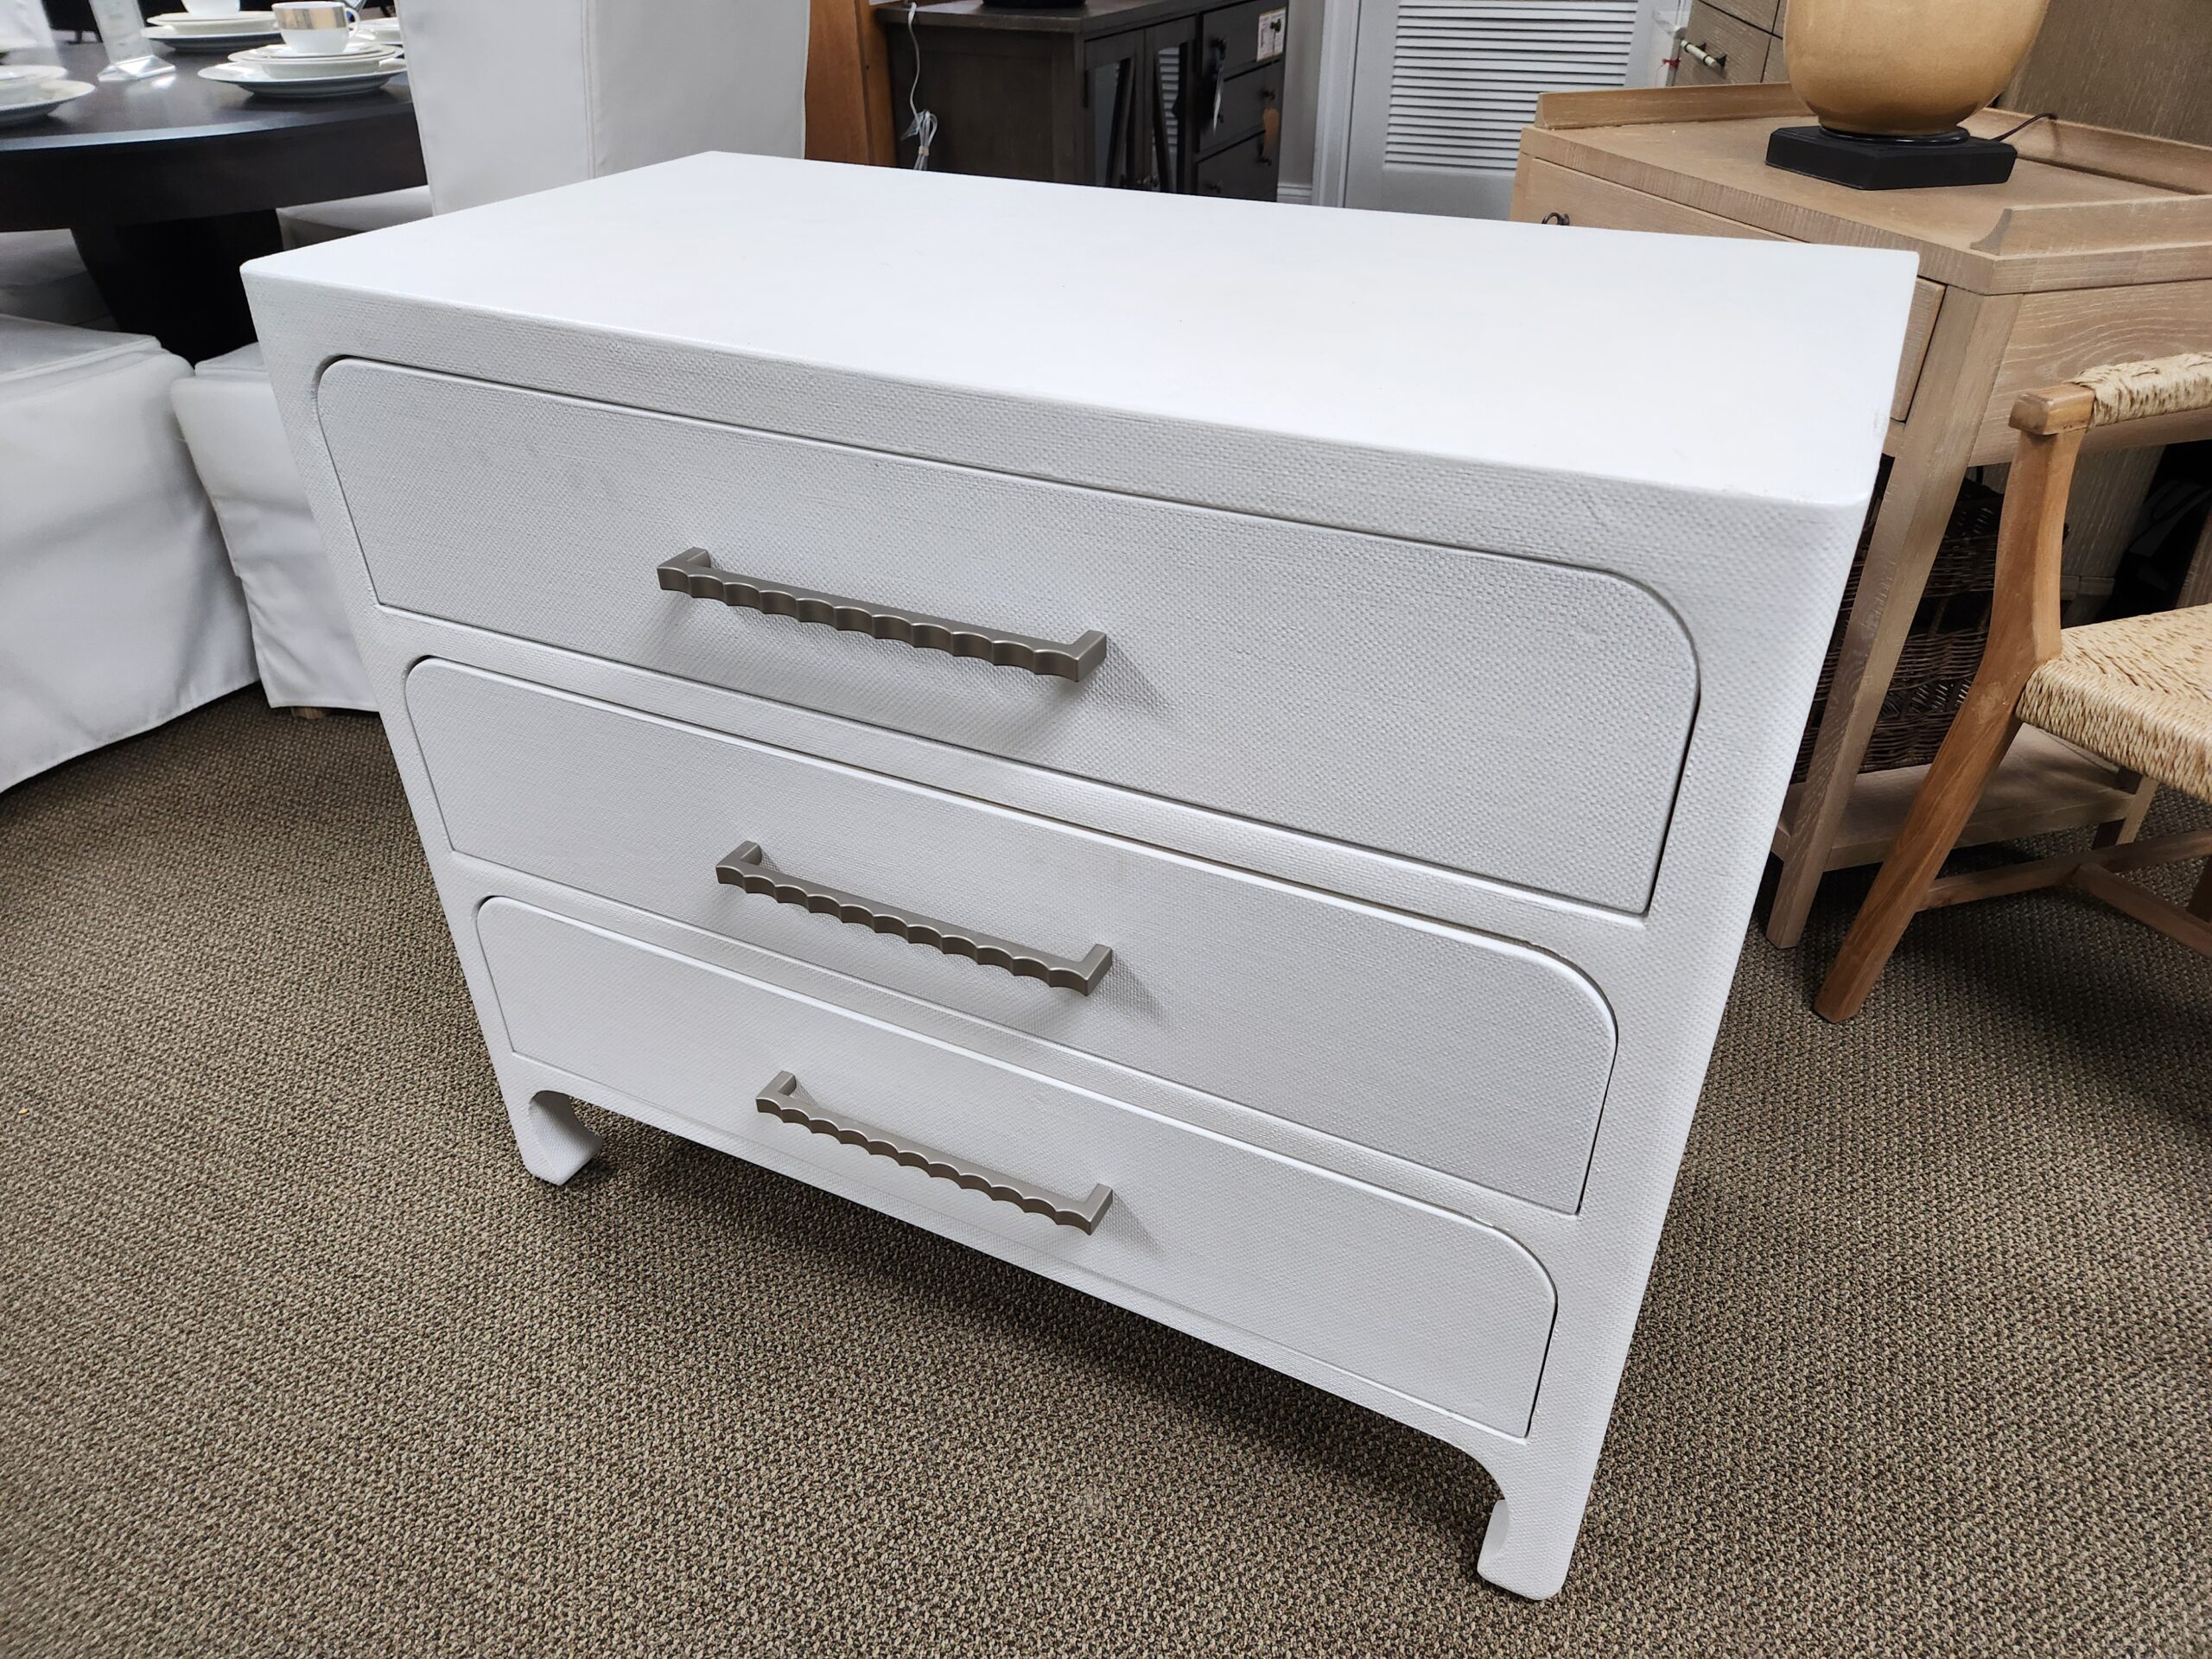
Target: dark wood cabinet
(1174,95)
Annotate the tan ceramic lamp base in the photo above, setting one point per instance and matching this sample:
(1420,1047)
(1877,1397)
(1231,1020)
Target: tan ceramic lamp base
(1905,68)
(1891,80)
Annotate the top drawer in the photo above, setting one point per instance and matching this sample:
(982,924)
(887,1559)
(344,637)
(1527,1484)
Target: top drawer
(1521,720)
(1237,37)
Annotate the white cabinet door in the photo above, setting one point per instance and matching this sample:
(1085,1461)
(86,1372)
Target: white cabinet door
(1440,90)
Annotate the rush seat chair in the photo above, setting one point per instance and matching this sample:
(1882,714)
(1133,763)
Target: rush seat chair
(2137,691)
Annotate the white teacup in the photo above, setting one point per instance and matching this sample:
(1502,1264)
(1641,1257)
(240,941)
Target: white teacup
(212,7)
(316,27)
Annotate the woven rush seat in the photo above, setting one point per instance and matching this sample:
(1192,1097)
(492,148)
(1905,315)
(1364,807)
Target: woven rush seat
(2137,691)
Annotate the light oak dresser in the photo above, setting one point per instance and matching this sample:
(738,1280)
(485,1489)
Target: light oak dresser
(1247,809)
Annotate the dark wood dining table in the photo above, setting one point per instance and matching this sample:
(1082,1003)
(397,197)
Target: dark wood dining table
(168,184)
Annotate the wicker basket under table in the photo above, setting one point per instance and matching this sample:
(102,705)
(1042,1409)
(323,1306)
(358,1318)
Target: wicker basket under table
(1949,626)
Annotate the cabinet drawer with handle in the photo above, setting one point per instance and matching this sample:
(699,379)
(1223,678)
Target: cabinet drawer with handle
(1495,1057)
(1244,171)
(1718,49)
(1233,39)
(1544,192)
(1240,106)
(1096,1193)
(1287,673)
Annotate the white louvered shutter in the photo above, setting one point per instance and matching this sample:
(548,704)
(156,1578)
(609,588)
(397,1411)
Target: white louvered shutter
(1441,89)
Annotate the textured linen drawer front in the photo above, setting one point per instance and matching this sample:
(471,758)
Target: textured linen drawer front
(1516,719)
(1398,1293)
(1493,1059)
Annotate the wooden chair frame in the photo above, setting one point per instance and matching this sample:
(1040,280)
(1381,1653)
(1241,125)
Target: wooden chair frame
(2024,633)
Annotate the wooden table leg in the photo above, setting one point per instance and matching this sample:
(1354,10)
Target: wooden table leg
(1955,386)
(178,280)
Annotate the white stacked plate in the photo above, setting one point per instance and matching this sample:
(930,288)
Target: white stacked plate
(279,72)
(190,31)
(29,91)
(355,58)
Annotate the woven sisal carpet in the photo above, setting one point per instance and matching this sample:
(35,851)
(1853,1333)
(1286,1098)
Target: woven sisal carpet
(295,1358)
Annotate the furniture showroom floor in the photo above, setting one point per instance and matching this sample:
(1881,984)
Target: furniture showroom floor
(295,1357)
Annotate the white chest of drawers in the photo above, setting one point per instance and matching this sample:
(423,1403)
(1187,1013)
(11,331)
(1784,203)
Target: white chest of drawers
(1248,813)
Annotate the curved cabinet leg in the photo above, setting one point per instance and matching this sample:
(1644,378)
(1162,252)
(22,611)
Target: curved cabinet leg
(1528,1545)
(554,1143)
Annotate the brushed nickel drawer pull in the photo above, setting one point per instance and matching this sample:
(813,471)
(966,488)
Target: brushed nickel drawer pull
(748,867)
(693,572)
(782,1098)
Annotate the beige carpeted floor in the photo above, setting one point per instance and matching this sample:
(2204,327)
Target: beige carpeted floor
(295,1358)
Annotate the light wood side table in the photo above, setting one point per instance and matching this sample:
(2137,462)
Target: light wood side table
(2099,250)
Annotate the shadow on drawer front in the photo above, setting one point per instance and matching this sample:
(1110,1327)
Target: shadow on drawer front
(1463,1052)
(1436,1306)
(1521,720)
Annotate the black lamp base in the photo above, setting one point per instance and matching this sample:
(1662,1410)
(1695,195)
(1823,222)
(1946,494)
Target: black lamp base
(1870,161)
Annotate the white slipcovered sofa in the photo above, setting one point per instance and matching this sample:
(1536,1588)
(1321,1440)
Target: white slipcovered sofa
(117,608)
(511,97)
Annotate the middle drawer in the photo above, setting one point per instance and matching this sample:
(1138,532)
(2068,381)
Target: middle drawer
(1466,1053)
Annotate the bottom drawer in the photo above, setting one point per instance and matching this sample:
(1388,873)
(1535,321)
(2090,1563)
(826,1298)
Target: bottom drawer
(1405,1295)
(1246,171)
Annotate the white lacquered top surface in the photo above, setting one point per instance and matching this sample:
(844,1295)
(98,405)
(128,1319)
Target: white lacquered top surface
(1708,364)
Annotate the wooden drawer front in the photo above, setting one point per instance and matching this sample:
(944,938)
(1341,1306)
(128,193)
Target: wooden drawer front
(1237,37)
(1741,49)
(1522,720)
(1245,101)
(1759,14)
(1919,329)
(1542,189)
(1244,171)
(1493,1058)
(2058,335)
(1403,1294)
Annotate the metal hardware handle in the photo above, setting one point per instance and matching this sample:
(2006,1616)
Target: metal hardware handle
(781,1097)
(1705,57)
(748,867)
(693,572)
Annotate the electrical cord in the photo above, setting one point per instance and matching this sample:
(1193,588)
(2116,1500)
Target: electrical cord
(922,126)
